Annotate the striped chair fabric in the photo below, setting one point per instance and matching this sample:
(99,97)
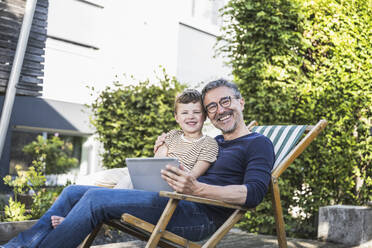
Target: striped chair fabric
(284,138)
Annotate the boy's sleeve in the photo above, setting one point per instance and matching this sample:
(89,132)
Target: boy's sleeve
(209,150)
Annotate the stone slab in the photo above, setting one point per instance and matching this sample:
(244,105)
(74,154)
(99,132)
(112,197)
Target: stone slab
(349,225)
(10,229)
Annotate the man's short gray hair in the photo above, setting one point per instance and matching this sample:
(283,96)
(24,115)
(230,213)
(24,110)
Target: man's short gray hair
(220,83)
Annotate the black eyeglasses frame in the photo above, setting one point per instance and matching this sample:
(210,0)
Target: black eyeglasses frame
(221,103)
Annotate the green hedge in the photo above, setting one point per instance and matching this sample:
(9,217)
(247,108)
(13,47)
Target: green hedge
(299,62)
(128,119)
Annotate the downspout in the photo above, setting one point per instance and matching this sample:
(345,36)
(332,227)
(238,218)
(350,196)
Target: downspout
(16,71)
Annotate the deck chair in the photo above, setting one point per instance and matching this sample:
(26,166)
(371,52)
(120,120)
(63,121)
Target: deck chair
(288,146)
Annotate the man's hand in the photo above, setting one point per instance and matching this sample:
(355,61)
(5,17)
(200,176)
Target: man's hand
(159,142)
(180,180)
(185,183)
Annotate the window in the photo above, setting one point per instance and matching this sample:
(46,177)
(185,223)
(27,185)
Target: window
(206,11)
(22,138)
(76,143)
(17,156)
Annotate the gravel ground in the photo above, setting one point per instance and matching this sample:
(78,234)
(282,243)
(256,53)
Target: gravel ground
(108,235)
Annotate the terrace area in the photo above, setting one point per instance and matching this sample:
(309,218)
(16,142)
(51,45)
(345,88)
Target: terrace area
(239,239)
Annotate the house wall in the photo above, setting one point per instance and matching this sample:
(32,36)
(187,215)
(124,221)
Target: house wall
(91,43)
(127,37)
(196,61)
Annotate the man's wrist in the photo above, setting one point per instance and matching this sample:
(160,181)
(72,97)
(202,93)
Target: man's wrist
(200,189)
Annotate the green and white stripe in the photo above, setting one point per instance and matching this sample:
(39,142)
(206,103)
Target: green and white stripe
(284,138)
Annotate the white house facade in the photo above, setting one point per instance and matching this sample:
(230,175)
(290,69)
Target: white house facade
(92,42)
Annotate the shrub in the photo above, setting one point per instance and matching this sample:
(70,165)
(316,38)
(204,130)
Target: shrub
(128,119)
(15,211)
(43,200)
(51,155)
(28,180)
(299,62)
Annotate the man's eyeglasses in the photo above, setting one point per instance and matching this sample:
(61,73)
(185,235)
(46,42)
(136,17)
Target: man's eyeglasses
(224,102)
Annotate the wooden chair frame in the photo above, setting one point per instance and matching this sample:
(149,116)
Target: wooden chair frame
(157,236)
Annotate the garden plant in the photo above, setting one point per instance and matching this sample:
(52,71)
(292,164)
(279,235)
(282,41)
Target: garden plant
(299,61)
(50,156)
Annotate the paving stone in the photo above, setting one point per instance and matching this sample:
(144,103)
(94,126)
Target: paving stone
(239,239)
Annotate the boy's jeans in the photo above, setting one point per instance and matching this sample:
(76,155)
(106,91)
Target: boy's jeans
(84,207)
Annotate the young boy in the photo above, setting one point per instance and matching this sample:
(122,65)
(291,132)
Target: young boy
(194,150)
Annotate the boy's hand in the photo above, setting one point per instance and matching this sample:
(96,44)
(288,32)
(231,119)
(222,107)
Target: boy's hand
(159,141)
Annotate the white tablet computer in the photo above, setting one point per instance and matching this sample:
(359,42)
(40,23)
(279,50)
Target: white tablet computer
(145,173)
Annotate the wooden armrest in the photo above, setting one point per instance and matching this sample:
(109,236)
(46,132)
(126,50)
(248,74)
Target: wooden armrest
(252,124)
(175,195)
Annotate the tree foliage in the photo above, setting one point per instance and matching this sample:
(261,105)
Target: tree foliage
(299,61)
(128,119)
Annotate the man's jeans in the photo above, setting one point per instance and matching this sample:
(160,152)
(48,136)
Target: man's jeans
(84,207)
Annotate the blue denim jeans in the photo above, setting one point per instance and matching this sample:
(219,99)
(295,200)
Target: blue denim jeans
(84,207)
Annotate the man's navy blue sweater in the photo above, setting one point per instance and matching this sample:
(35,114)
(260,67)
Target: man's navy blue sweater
(247,160)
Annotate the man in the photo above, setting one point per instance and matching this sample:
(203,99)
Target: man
(240,175)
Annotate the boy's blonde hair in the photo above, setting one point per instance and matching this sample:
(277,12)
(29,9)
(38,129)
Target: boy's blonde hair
(187,96)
